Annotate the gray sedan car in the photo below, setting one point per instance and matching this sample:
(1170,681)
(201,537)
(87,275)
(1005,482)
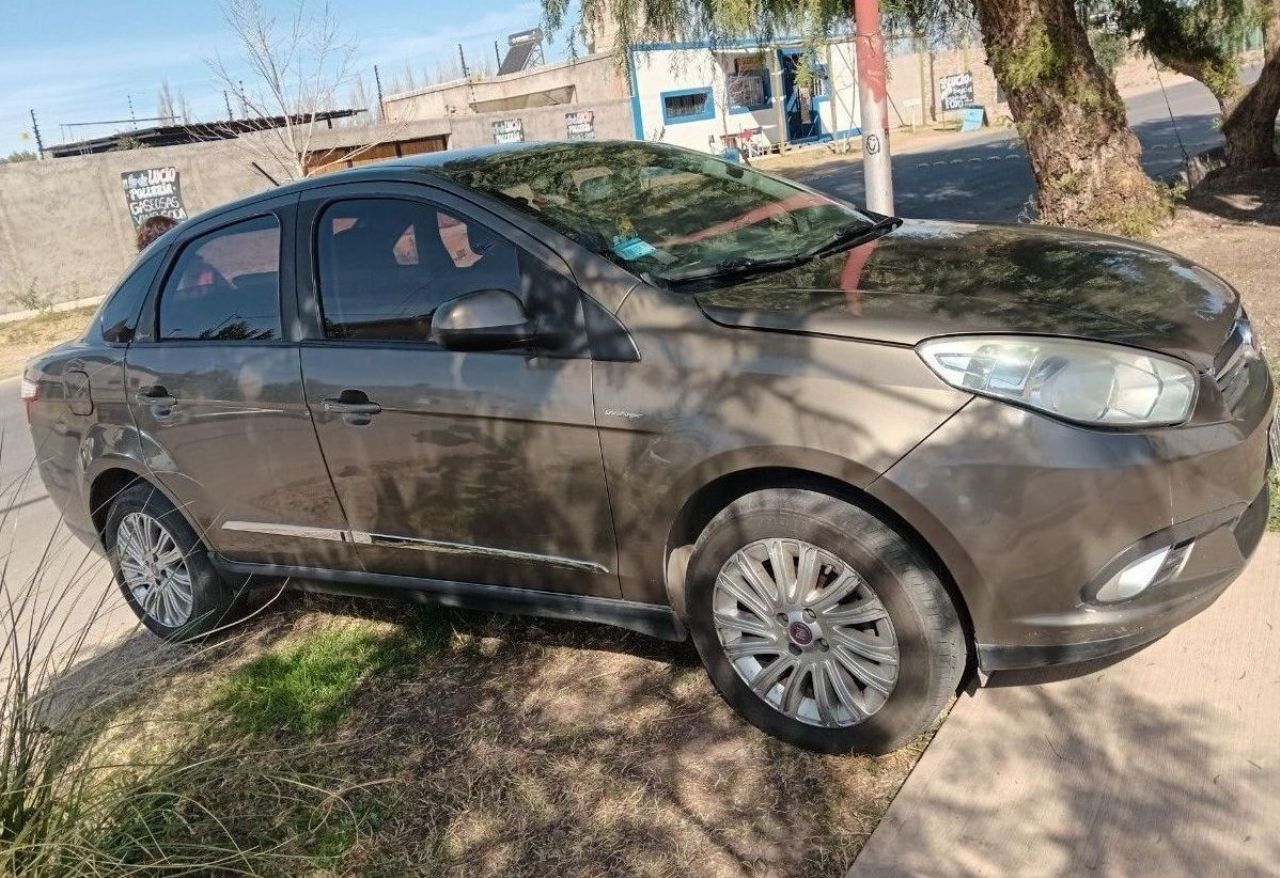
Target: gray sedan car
(852,457)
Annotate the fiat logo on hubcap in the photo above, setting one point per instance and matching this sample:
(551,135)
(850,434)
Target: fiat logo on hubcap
(801,633)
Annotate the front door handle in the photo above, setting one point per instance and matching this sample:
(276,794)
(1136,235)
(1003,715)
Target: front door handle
(355,407)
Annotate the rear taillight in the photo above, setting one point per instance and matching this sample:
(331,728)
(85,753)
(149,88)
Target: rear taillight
(30,393)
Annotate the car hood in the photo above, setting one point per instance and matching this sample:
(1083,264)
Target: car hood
(938,278)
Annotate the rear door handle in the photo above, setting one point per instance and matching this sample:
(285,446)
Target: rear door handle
(156,397)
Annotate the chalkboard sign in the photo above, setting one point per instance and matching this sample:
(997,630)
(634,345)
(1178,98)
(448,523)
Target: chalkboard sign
(580,125)
(956,91)
(508,131)
(153,192)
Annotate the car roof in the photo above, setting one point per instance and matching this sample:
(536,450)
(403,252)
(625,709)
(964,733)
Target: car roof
(432,162)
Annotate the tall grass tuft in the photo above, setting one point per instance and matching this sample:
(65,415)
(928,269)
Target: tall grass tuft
(95,779)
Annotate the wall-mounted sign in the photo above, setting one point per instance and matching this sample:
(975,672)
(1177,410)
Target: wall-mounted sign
(580,125)
(153,192)
(508,131)
(955,91)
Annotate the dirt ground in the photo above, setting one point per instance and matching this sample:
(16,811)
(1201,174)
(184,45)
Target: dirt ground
(1231,225)
(363,738)
(23,339)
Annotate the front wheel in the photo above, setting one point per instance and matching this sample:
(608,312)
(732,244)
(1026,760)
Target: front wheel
(163,569)
(820,624)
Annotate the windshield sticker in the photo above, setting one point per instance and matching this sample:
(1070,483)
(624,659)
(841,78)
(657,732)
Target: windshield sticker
(632,248)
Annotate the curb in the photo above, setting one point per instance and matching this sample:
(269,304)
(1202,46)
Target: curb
(15,316)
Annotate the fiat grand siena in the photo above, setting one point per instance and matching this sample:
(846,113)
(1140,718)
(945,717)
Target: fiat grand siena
(850,456)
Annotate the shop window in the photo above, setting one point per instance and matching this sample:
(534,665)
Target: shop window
(689,105)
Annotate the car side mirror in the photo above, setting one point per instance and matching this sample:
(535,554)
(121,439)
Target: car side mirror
(486,320)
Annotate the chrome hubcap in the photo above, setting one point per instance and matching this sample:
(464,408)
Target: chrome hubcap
(806,632)
(154,569)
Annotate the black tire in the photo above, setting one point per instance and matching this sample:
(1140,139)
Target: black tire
(930,640)
(215,603)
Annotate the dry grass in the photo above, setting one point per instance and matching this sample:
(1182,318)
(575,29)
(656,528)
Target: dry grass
(23,339)
(475,745)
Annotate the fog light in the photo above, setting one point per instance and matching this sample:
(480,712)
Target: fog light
(1159,566)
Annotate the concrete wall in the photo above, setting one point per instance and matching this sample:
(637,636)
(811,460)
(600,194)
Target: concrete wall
(612,122)
(595,79)
(65,229)
(911,105)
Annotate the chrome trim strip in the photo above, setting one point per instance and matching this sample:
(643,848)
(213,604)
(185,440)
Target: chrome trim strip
(387,541)
(288,530)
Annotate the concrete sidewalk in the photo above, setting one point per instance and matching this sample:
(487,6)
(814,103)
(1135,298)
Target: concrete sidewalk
(1164,764)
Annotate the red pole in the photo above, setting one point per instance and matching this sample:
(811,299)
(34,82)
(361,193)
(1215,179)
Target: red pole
(873,99)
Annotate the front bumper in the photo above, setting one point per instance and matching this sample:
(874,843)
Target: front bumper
(1029,514)
(1219,557)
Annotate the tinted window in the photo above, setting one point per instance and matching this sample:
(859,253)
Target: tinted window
(226,285)
(118,316)
(658,210)
(385,266)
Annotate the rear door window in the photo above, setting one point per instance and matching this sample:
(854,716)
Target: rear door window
(225,286)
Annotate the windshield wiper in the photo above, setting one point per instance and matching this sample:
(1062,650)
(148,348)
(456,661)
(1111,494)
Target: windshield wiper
(737,267)
(852,235)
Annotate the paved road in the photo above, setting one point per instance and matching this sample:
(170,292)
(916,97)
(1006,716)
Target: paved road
(35,547)
(986,175)
(1166,763)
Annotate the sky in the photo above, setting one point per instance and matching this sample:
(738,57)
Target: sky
(82,61)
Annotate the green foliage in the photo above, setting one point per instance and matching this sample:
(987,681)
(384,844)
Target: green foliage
(306,689)
(32,299)
(20,155)
(1032,63)
(645,20)
(1109,48)
(1197,37)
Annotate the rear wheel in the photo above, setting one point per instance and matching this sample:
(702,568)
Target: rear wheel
(163,568)
(820,624)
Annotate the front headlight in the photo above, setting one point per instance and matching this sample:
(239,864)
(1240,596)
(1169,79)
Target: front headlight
(1082,381)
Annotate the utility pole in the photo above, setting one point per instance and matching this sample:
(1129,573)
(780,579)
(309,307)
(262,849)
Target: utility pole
(377,83)
(226,99)
(873,96)
(496,54)
(466,74)
(35,129)
(133,118)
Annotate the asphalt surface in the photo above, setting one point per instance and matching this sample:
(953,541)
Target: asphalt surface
(38,556)
(987,176)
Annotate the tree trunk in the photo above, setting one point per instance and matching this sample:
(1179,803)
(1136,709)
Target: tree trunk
(1250,125)
(1085,158)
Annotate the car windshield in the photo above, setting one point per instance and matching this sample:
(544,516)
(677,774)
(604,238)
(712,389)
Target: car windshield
(667,213)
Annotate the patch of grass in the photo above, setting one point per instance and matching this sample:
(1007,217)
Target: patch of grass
(307,688)
(1273,513)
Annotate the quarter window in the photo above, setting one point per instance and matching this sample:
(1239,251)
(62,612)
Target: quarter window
(386,265)
(226,286)
(118,317)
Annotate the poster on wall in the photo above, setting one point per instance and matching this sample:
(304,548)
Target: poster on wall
(956,91)
(508,131)
(580,125)
(153,192)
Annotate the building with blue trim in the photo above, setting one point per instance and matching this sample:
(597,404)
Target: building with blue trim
(709,96)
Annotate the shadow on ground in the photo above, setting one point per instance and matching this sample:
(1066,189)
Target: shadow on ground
(1096,803)
(481,745)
